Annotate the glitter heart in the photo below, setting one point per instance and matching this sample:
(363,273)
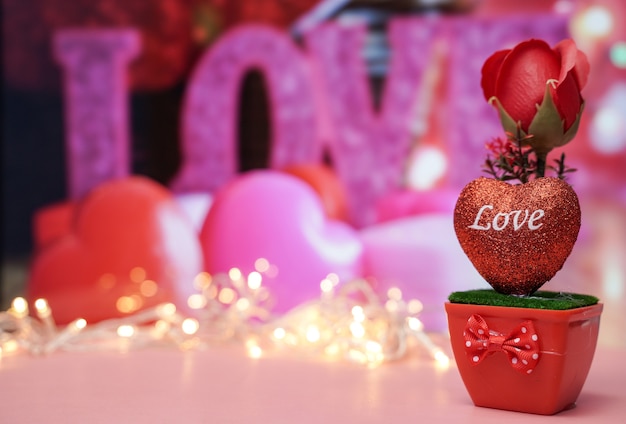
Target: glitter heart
(517,236)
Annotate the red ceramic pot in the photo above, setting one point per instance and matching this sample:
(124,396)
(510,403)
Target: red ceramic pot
(566,345)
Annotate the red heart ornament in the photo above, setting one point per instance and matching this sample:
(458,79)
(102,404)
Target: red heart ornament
(129,247)
(517,236)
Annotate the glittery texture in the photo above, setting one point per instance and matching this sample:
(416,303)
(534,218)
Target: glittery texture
(209,119)
(517,236)
(96,91)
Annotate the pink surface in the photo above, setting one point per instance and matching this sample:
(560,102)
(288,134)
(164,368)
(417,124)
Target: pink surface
(223,386)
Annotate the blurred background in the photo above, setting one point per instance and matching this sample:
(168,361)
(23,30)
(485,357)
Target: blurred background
(175,33)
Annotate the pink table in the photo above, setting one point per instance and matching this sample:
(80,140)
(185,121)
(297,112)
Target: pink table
(222,385)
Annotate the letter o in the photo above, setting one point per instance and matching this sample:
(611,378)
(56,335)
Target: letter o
(495,225)
(210,106)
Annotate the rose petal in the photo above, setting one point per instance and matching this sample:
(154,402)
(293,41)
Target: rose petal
(581,70)
(522,79)
(490,71)
(567,51)
(567,100)
(572,60)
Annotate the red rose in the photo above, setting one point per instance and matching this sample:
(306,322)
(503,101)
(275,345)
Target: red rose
(537,89)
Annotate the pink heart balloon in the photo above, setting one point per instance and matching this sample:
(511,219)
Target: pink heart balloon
(275,216)
(421,256)
(405,203)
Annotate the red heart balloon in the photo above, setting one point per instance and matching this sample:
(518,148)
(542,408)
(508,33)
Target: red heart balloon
(52,222)
(129,247)
(517,236)
(326,184)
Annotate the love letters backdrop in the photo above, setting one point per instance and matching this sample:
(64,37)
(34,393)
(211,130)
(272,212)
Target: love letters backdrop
(319,103)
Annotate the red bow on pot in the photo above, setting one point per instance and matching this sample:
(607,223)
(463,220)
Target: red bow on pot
(521,346)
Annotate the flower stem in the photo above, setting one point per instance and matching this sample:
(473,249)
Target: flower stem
(541,163)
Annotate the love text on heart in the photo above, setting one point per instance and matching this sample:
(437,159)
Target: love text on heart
(501,220)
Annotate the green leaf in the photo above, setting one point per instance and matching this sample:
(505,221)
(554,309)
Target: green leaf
(571,132)
(508,123)
(547,125)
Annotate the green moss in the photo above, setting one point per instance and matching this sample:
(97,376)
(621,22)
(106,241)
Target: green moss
(538,300)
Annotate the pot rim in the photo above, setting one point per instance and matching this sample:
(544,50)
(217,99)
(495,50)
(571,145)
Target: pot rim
(574,314)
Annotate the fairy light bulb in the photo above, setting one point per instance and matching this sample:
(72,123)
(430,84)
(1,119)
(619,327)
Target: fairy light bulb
(234,274)
(211,292)
(357,330)
(442,361)
(128,304)
(326,285)
(357,313)
(148,288)
(272,271)
(42,308)
(196,301)
(161,327)
(190,326)
(279,333)
(137,274)
(254,280)
(415,324)
(10,346)
(414,307)
(166,310)
(80,324)
(227,295)
(357,356)
(242,304)
(334,278)
(374,353)
(392,305)
(253,349)
(373,347)
(45,315)
(19,307)
(332,350)
(202,280)
(394,293)
(261,265)
(313,334)
(126,331)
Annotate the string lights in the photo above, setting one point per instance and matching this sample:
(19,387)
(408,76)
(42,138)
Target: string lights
(347,322)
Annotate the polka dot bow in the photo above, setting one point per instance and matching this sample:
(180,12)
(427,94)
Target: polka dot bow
(521,346)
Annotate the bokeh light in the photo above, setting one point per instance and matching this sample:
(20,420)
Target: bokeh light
(608,128)
(427,166)
(617,54)
(594,22)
